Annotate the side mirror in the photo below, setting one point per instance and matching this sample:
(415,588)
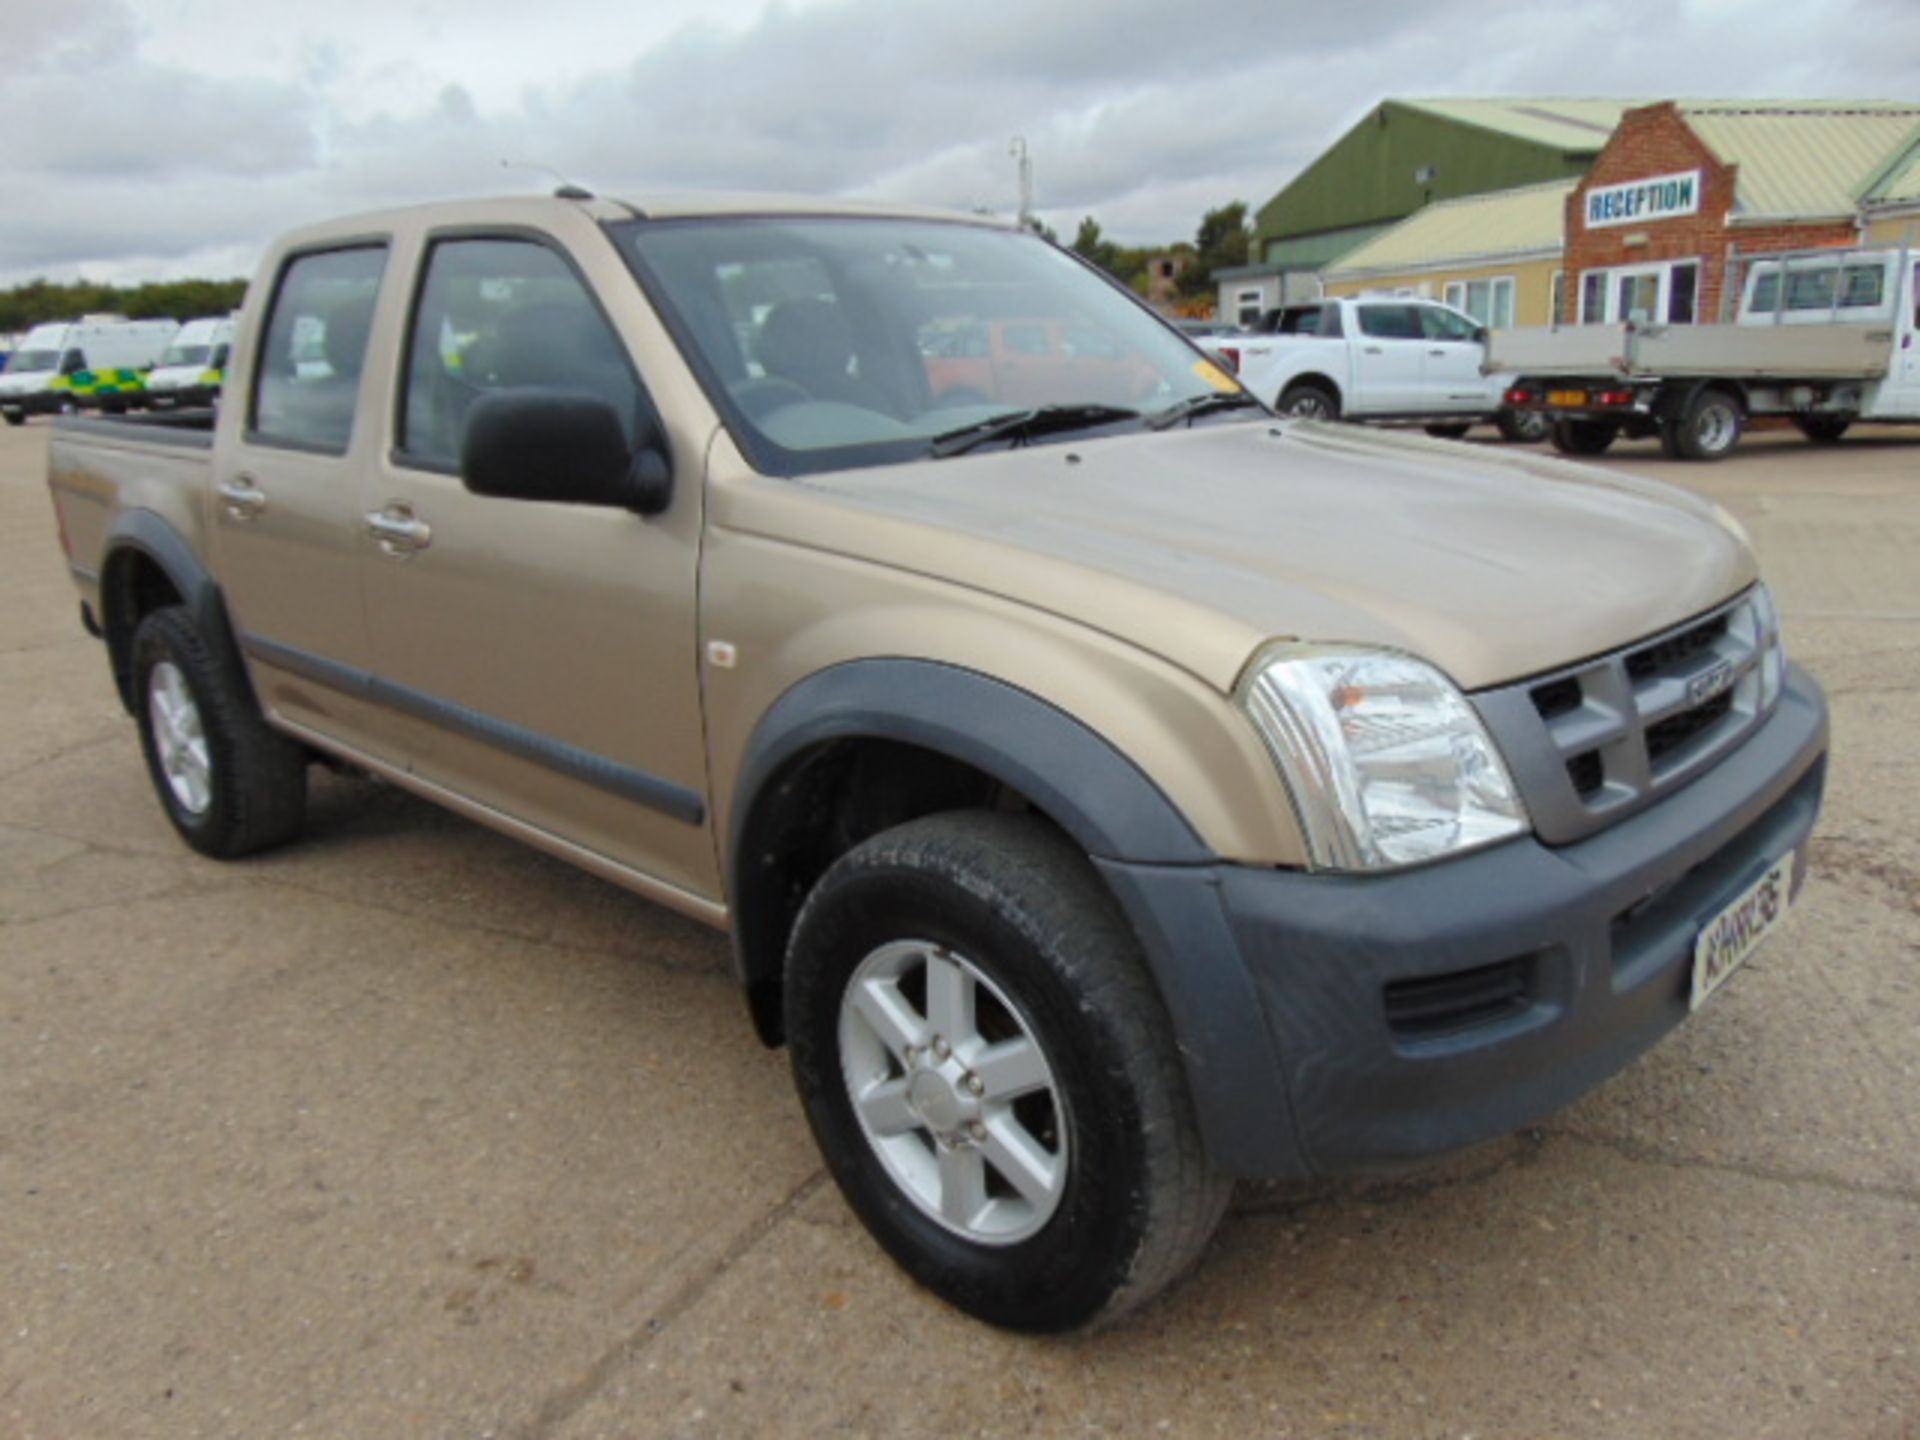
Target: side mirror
(562,446)
(1480,336)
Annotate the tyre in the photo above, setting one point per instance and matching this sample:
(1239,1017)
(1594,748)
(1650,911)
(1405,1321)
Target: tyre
(1523,427)
(1583,437)
(15,417)
(1823,429)
(230,783)
(1306,400)
(991,1076)
(1707,428)
(1448,432)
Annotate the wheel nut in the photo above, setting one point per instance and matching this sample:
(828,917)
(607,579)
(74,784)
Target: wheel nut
(975,1085)
(940,1050)
(976,1132)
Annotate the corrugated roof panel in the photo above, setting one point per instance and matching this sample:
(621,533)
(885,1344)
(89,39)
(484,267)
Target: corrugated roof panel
(1506,222)
(1581,126)
(1901,180)
(1804,159)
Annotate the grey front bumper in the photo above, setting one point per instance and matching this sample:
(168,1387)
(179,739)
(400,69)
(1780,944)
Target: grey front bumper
(1312,1010)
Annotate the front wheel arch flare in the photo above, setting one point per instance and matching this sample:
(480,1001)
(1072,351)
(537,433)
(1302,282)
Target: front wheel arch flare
(1065,770)
(1152,861)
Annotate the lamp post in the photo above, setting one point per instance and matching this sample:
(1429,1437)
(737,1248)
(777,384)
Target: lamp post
(1018,150)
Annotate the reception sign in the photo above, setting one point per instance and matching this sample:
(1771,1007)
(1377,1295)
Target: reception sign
(1661,197)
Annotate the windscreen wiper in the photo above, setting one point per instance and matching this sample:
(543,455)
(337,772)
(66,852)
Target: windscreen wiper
(1200,405)
(1026,424)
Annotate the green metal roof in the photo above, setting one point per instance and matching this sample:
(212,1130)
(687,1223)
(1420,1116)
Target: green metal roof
(1403,155)
(1802,158)
(1578,126)
(1529,220)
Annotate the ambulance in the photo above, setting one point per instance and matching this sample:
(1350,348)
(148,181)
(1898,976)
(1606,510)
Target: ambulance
(95,362)
(194,366)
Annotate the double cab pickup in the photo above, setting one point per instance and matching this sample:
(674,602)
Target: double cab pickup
(1110,789)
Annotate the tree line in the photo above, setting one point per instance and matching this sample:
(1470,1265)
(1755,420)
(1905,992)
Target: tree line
(40,301)
(1223,239)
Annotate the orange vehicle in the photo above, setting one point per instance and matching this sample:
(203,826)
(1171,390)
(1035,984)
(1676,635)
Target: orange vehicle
(1020,361)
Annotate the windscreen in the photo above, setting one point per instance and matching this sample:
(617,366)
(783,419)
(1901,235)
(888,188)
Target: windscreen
(26,362)
(185,355)
(830,342)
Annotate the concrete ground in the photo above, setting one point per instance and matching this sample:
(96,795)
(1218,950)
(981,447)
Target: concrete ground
(410,1131)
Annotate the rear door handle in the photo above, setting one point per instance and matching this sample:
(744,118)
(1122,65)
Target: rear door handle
(1440,353)
(1373,350)
(397,532)
(242,499)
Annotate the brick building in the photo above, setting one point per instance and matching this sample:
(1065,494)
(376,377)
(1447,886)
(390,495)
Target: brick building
(1635,208)
(1683,189)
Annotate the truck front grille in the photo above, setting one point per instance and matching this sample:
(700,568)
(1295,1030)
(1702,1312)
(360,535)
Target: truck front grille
(1592,744)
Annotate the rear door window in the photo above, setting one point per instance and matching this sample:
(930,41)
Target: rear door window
(306,382)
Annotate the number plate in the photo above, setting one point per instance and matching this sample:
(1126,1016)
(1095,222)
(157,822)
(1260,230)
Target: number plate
(1567,397)
(1736,932)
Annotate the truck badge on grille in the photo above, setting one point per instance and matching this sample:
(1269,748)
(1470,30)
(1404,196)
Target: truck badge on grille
(1709,683)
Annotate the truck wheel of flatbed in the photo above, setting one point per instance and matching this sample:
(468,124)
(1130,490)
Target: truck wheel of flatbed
(1707,427)
(1523,427)
(1308,401)
(991,1075)
(1823,429)
(229,782)
(15,417)
(1448,432)
(1583,437)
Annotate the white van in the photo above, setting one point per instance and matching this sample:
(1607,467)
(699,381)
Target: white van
(97,361)
(194,366)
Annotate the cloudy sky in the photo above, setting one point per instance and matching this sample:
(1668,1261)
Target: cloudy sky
(160,138)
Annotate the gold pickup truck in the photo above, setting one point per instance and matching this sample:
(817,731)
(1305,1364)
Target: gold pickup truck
(1110,789)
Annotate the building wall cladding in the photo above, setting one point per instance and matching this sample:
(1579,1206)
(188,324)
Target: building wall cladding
(1657,140)
(1533,284)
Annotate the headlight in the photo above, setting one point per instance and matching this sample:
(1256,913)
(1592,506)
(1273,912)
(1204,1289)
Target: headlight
(1387,762)
(1773,650)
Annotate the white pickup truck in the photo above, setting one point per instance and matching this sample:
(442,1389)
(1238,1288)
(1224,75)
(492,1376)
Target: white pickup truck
(1822,337)
(1384,359)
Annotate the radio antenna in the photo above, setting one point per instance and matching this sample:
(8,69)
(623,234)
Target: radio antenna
(566,190)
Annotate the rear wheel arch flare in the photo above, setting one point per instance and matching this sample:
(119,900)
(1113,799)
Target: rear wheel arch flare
(1314,381)
(149,565)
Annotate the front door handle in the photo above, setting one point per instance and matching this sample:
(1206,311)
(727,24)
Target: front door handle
(397,532)
(242,499)
(1438,353)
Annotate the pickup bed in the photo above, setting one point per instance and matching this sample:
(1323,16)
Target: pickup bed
(1109,789)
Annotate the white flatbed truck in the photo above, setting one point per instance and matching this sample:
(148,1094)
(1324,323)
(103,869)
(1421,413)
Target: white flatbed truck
(1821,337)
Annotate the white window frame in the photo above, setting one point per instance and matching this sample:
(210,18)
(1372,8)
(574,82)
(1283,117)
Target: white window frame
(1458,291)
(1662,270)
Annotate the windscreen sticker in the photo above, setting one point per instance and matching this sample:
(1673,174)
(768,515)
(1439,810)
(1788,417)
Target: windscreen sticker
(1216,377)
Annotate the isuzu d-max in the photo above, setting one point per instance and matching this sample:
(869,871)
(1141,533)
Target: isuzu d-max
(1110,789)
